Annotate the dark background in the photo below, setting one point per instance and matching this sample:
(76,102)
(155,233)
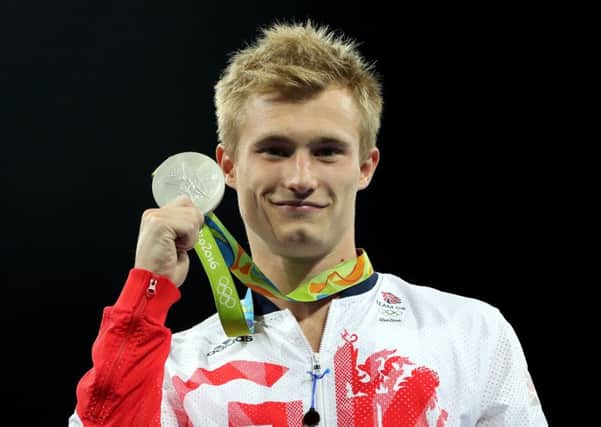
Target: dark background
(95,96)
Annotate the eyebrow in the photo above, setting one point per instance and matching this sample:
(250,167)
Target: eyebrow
(283,139)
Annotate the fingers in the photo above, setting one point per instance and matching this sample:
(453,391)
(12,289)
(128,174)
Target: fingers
(179,220)
(182,200)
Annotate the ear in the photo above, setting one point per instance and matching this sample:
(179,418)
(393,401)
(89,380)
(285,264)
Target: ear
(368,168)
(226,162)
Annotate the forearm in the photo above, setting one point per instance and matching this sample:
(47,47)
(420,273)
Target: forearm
(124,386)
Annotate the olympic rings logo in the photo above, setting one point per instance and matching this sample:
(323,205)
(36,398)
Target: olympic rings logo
(226,293)
(391,312)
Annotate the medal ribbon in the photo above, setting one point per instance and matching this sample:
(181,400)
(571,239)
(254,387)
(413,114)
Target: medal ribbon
(220,253)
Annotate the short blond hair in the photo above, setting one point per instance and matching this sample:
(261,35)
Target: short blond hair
(297,61)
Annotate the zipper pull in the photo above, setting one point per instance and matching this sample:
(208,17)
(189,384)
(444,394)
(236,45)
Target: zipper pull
(311,417)
(316,363)
(152,288)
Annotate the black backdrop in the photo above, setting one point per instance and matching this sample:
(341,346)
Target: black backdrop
(95,96)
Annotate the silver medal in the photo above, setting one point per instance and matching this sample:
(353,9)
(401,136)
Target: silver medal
(192,174)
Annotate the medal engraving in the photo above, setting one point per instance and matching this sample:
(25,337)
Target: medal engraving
(192,174)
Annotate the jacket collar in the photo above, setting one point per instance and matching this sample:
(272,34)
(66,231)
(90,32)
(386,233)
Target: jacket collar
(264,306)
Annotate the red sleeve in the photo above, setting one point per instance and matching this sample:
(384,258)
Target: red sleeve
(124,386)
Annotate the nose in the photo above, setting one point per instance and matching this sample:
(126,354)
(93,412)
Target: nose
(299,174)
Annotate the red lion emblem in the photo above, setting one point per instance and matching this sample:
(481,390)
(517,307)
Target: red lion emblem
(380,392)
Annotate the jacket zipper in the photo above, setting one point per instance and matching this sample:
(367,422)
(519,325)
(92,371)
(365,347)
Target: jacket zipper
(321,388)
(316,361)
(319,401)
(148,294)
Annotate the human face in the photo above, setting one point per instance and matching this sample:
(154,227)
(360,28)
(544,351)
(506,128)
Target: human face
(297,172)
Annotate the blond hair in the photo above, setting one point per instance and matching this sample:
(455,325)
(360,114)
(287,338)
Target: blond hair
(297,61)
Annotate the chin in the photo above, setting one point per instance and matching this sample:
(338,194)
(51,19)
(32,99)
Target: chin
(300,244)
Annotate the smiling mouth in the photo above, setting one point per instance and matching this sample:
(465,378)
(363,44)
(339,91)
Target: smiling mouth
(299,204)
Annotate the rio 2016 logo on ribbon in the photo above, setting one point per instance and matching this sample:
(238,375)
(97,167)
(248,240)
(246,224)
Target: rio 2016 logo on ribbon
(228,304)
(208,253)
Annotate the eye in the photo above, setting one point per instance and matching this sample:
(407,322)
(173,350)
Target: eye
(328,152)
(275,151)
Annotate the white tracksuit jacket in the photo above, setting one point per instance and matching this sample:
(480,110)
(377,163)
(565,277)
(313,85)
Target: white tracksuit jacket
(397,354)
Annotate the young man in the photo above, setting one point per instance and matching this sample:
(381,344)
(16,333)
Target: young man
(298,115)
